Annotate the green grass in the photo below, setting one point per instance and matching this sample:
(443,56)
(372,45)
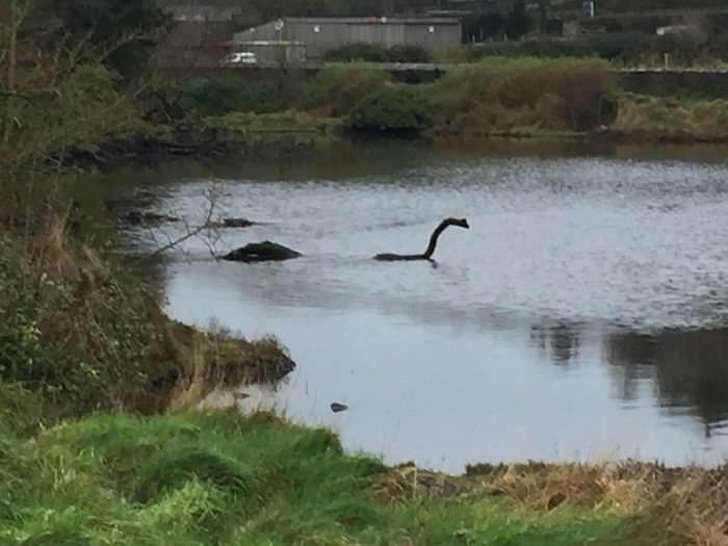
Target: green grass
(221,479)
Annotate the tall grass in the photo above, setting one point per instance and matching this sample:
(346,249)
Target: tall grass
(505,94)
(673,118)
(220,479)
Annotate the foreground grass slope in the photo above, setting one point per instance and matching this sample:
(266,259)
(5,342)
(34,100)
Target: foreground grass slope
(222,479)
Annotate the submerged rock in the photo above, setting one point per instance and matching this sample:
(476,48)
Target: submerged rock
(261,252)
(136,218)
(232,223)
(337,407)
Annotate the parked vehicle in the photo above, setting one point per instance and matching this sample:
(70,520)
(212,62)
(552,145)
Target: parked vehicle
(238,58)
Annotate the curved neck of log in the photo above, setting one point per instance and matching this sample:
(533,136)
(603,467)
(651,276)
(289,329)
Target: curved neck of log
(427,255)
(433,238)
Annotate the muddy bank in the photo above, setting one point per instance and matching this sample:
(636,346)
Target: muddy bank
(220,360)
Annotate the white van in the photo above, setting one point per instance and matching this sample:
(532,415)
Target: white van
(242,57)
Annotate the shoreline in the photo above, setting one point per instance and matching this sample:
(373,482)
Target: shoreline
(276,483)
(118,153)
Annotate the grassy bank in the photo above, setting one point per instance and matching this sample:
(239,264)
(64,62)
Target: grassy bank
(497,96)
(223,479)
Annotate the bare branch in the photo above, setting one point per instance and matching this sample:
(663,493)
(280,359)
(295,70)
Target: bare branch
(212,196)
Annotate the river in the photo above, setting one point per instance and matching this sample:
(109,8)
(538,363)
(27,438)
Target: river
(583,316)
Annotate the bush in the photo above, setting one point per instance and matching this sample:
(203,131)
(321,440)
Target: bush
(83,336)
(408,54)
(210,96)
(502,94)
(393,110)
(86,334)
(337,89)
(371,53)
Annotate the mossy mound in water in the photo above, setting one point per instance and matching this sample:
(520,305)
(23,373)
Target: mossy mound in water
(261,252)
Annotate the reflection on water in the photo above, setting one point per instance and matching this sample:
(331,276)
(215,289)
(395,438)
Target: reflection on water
(582,316)
(689,370)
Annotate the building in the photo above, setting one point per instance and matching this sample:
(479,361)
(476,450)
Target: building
(198,35)
(320,35)
(463,7)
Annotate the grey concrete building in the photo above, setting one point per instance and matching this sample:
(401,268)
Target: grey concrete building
(320,35)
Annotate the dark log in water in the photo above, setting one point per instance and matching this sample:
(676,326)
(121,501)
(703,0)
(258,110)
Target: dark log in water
(427,255)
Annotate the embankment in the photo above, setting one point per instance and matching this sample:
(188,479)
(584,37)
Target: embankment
(223,479)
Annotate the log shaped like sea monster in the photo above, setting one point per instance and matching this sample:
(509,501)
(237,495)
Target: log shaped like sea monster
(427,255)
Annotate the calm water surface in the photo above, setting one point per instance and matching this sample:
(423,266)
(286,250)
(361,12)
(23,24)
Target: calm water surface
(583,316)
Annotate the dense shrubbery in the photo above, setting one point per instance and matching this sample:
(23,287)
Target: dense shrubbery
(80,333)
(393,110)
(373,53)
(370,53)
(408,54)
(85,334)
(222,94)
(337,89)
(500,94)
(210,96)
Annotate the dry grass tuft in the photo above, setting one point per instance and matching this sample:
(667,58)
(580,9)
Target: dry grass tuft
(49,249)
(672,118)
(682,505)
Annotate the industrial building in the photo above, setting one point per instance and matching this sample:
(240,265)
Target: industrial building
(319,35)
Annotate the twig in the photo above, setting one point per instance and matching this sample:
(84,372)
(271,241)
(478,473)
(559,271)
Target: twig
(211,196)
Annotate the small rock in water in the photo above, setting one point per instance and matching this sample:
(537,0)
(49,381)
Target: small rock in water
(336,407)
(136,217)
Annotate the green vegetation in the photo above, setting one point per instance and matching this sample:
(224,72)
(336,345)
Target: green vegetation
(221,479)
(372,53)
(337,89)
(86,351)
(83,334)
(79,331)
(223,94)
(501,95)
(393,110)
(278,123)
